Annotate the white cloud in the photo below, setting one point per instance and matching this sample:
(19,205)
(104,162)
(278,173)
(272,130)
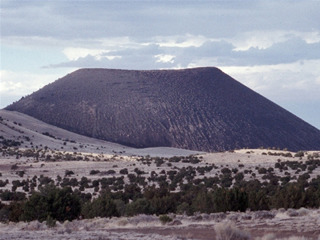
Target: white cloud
(257,39)
(76,53)
(181,41)
(280,82)
(164,58)
(22,83)
(265,39)
(14,85)
(271,46)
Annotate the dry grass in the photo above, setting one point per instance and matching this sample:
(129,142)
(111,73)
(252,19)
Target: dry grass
(230,232)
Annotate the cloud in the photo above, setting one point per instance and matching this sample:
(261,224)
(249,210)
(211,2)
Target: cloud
(265,39)
(75,53)
(14,85)
(186,51)
(292,50)
(187,40)
(281,82)
(72,20)
(271,46)
(164,58)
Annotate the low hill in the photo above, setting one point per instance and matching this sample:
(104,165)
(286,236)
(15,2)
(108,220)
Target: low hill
(25,132)
(199,109)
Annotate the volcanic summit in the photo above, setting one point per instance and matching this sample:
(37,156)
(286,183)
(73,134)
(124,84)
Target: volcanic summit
(197,109)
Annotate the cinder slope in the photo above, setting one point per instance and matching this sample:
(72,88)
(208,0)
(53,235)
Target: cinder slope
(197,109)
(32,133)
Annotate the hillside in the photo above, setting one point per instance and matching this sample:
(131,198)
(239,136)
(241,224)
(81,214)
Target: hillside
(23,131)
(199,109)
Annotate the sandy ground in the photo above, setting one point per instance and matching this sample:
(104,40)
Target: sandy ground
(280,223)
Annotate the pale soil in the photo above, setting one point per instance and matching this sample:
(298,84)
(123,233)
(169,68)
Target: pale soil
(306,224)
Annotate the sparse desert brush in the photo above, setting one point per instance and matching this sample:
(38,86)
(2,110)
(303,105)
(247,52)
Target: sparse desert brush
(303,211)
(227,231)
(269,236)
(165,219)
(122,222)
(294,238)
(143,219)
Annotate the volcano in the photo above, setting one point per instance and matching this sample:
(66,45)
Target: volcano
(199,109)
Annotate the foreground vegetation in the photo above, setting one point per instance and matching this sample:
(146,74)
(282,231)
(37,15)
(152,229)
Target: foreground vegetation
(51,203)
(176,185)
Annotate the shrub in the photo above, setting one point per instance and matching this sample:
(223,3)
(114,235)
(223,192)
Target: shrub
(230,232)
(140,206)
(12,196)
(185,208)
(299,154)
(4,215)
(3,183)
(165,219)
(234,199)
(262,171)
(103,206)
(50,222)
(12,212)
(111,171)
(68,172)
(239,176)
(93,172)
(225,171)
(14,167)
(124,171)
(59,204)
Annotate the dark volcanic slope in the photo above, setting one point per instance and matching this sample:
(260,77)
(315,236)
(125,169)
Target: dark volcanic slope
(198,109)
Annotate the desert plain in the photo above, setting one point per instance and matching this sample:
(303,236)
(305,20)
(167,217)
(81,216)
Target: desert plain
(94,159)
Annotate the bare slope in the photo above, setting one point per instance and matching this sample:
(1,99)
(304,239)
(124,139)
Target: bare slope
(198,109)
(32,133)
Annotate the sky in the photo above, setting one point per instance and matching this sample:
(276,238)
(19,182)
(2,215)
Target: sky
(272,47)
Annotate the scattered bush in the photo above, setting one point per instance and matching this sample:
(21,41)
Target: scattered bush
(93,172)
(299,154)
(230,232)
(56,203)
(103,206)
(165,219)
(50,222)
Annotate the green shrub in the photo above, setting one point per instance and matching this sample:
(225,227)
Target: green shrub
(103,206)
(165,219)
(140,206)
(93,172)
(299,154)
(60,204)
(185,208)
(4,215)
(50,222)
(262,171)
(124,171)
(239,176)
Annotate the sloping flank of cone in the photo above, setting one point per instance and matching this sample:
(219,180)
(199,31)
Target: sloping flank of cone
(197,109)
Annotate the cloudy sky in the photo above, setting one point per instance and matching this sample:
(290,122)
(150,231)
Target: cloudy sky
(273,47)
